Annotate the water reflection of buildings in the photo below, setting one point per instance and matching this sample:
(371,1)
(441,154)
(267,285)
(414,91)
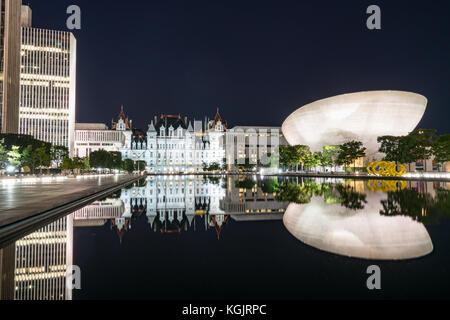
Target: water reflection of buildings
(41,262)
(35,267)
(249,200)
(181,203)
(170,205)
(375,219)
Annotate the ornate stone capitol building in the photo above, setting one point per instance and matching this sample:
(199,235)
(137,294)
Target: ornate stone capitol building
(172,144)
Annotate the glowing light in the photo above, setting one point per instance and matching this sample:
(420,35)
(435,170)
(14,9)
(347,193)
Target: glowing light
(10,169)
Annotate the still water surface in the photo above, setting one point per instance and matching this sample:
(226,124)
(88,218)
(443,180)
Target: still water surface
(244,238)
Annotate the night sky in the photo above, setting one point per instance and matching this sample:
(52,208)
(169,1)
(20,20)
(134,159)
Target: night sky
(256,60)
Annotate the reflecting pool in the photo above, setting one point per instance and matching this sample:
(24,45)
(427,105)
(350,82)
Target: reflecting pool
(240,237)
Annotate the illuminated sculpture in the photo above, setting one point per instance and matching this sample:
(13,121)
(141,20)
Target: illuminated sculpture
(362,116)
(386,169)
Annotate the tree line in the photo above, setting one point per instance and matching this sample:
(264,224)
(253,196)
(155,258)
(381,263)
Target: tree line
(23,153)
(418,145)
(29,154)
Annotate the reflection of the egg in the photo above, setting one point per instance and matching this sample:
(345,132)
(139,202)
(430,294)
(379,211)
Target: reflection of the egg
(362,233)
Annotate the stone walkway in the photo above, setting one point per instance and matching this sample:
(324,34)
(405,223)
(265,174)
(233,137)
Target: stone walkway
(23,199)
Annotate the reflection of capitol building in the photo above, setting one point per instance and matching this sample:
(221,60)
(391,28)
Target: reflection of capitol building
(171,205)
(174,204)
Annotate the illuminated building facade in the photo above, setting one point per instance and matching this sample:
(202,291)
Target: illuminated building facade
(172,144)
(253,143)
(176,145)
(91,137)
(10,25)
(48,86)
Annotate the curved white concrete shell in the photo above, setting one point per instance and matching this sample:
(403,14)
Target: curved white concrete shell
(362,234)
(362,116)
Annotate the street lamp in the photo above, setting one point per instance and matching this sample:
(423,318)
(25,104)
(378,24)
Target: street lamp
(10,169)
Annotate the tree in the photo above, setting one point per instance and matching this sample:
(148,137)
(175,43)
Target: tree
(270,186)
(292,156)
(391,146)
(329,155)
(67,164)
(100,159)
(14,156)
(140,165)
(86,164)
(78,163)
(212,167)
(127,165)
(420,145)
(28,158)
(58,153)
(350,198)
(311,160)
(289,156)
(349,152)
(116,160)
(3,154)
(246,183)
(441,149)
(42,157)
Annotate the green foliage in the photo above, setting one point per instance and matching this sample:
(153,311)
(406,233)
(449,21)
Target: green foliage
(289,156)
(28,158)
(86,164)
(212,167)
(293,193)
(246,183)
(413,204)
(66,164)
(58,153)
(393,148)
(441,149)
(350,198)
(349,152)
(212,179)
(127,165)
(329,155)
(73,164)
(270,186)
(311,160)
(42,156)
(116,160)
(3,154)
(418,145)
(14,157)
(101,159)
(22,141)
(140,165)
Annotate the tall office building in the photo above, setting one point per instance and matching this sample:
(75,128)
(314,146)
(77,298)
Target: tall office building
(48,85)
(10,21)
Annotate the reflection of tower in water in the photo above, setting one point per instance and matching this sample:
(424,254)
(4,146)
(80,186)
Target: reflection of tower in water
(41,262)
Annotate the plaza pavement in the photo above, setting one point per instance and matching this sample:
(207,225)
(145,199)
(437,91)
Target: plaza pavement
(22,199)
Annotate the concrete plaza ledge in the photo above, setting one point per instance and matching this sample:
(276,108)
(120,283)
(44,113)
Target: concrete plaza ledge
(26,204)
